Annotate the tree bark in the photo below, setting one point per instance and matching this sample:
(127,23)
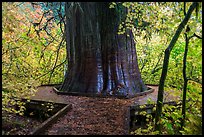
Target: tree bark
(185,82)
(99,60)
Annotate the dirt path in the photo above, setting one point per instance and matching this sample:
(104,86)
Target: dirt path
(94,116)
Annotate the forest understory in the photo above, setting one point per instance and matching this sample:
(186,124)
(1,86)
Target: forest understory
(88,116)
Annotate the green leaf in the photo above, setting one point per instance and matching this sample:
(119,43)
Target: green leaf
(170,128)
(136,22)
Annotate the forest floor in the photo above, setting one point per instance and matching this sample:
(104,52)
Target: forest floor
(97,116)
(92,116)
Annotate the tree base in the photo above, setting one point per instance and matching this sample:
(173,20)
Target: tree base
(56,89)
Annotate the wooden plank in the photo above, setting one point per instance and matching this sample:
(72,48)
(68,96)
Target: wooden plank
(148,108)
(127,124)
(49,121)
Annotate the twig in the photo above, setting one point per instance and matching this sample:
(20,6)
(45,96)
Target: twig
(51,69)
(56,57)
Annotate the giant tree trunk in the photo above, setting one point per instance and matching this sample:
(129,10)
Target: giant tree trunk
(99,60)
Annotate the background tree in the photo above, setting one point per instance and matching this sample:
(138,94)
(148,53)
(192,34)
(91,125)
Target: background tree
(165,66)
(164,19)
(28,57)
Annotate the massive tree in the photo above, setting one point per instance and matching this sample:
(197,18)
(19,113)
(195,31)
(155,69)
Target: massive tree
(100,61)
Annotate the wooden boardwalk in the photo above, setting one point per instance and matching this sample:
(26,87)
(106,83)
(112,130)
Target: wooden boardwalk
(94,116)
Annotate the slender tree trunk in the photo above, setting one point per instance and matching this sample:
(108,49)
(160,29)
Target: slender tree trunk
(165,67)
(185,78)
(185,82)
(100,60)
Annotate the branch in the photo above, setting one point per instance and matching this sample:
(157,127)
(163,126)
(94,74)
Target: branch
(56,57)
(195,80)
(51,69)
(197,36)
(43,16)
(61,18)
(19,4)
(155,69)
(10,49)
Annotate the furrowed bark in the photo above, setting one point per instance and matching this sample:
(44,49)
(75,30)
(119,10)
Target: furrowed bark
(100,60)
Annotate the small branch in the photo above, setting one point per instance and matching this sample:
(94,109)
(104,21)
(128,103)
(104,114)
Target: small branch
(10,49)
(43,16)
(195,80)
(51,69)
(197,36)
(155,69)
(20,4)
(28,30)
(56,57)
(194,35)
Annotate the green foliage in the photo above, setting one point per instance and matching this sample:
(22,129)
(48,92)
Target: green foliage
(171,116)
(28,58)
(150,54)
(17,80)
